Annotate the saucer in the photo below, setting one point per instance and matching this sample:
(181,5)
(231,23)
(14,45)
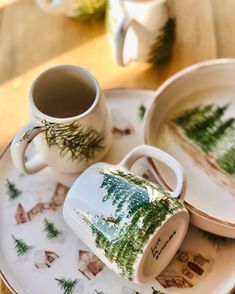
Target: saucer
(39,254)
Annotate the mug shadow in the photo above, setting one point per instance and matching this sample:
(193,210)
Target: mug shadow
(30,37)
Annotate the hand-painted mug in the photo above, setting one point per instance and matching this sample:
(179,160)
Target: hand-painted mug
(79,9)
(70,124)
(139,30)
(133,225)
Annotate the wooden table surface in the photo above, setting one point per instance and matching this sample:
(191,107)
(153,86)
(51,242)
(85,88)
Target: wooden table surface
(31,41)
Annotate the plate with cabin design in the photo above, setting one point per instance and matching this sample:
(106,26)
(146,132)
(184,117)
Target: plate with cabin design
(193,119)
(40,255)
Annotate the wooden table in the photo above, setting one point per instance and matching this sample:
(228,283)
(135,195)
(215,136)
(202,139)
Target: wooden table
(31,41)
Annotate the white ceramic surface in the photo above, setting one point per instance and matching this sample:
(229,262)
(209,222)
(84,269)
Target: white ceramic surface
(209,198)
(133,28)
(22,276)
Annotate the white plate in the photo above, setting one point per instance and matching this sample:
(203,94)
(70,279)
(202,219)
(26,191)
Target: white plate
(217,273)
(209,197)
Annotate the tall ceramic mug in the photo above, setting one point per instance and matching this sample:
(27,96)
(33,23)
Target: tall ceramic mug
(79,9)
(139,30)
(70,124)
(134,226)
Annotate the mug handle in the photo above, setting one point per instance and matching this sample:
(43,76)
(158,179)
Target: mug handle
(19,146)
(52,7)
(120,34)
(158,154)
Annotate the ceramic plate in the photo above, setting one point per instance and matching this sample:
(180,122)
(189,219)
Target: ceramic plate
(40,255)
(193,119)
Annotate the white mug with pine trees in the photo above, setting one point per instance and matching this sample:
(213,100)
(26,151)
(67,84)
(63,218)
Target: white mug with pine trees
(79,9)
(133,225)
(70,126)
(140,30)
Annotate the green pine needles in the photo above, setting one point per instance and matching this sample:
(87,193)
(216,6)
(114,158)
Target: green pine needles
(91,9)
(12,191)
(207,128)
(162,47)
(50,229)
(80,142)
(67,285)
(21,247)
(217,241)
(134,206)
(156,291)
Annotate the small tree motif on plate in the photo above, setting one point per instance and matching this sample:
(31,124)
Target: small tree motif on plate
(12,191)
(21,247)
(51,230)
(67,285)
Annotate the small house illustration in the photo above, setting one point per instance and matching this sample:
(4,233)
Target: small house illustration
(57,200)
(21,216)
(122,126)
(44,258)
(89,264)
(185,270)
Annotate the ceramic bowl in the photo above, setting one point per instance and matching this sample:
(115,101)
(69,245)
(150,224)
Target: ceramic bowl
(192,118)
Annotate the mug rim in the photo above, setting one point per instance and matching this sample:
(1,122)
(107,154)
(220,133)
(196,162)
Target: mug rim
(39,114)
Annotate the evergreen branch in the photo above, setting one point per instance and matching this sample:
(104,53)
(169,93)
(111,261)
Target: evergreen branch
(67,285)
(51,230)
(20,246)
(82,143)
(156,291)
(12,191)
(90,9)
(162,47)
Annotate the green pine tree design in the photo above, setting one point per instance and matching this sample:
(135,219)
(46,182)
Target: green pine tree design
(90,9)
(156,291)
(163,45)
(50,229)
(134,207)
(12,191)
(67,285)
(206,126)
(21,247)
(142,110)
(82,143)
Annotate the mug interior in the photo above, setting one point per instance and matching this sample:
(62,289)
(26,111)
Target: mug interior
(64,91)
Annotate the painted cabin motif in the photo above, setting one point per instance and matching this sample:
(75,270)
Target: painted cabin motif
(44,259)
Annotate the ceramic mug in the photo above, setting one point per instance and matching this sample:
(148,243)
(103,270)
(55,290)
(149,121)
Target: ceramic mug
(79,9)
(139,30)
(134,226)
(70,124)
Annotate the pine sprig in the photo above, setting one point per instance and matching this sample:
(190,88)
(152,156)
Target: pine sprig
(162,47)
(12,191)
(51,230)
(67,285)
(90,9)
(20,246)
(156,291)
(80,142)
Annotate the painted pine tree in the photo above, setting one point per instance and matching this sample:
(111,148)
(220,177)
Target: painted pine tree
(136,218)
(211,132)
(21,247)
(12,191)
(67,285)
(50,229)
